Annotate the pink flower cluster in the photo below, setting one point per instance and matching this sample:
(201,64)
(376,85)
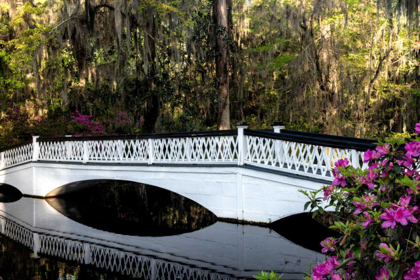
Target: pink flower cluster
(328,245)
(385,253)
(414,273)
(399,214)
(323,270)
(383,274)
(339,178)
(85,121)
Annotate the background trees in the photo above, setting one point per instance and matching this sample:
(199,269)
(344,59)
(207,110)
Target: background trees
(344,67)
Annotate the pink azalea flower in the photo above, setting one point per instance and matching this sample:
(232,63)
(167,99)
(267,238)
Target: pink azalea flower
(328,245)
(404,201)
(340,180)
(383,274)
(382,150)
(328,191)
(389,218)
(386,252)
(369,155)
(360,207)
(368,220)
(414,273)
(418,128)
(413,149)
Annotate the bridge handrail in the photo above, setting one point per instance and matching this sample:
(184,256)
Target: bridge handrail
(215,133)
(316,139)
(310,154)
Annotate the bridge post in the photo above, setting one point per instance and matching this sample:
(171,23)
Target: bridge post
(355,159)
(37,245)
(241,142)
(86,253)
(2,162)
(277,127)
(151,152)
(85,152)
(35,147)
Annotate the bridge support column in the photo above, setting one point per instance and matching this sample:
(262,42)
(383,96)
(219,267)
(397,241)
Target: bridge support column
(242,142)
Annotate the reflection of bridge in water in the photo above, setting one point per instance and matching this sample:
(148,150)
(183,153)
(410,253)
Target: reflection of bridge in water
(220,251)
(238,174)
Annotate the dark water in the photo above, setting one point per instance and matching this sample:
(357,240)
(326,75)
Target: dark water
(123,230)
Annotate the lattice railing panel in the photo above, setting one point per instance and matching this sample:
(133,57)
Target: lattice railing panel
(62,248)
(18,155)
(298,157)
(105,150)
(117,261)
(61,151)
(16,232)
(135,150)
(197,149)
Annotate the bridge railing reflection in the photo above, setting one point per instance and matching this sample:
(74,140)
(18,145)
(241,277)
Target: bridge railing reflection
(111,259)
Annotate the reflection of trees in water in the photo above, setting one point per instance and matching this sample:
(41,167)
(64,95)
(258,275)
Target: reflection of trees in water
(16,264)
(133,208)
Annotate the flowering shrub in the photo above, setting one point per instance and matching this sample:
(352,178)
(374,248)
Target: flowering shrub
(85,125)
(376,210)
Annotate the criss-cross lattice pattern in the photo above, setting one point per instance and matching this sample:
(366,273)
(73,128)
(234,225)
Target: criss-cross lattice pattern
(135,150)
(117,261)
(299,157)
(16,232)
(61,151)
(62,248)
(18,155)
(197,149)
(111,259)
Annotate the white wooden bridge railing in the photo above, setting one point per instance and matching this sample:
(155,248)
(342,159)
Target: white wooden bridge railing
(297,152)
(111,259)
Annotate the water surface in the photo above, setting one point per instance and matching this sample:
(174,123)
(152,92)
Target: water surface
(131,231)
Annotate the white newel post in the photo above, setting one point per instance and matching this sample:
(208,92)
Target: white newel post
(241,142)
(35,147)
(86,253)
(277,127)
(85,151)
(2,161)
(188,149)
(355,159)
(37,245)
(120,149)
(150,152)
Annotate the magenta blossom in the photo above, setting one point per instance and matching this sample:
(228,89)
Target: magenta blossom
(386,252)
(413,149)
(328,245)
(327,268)
(368,220)
(383,274)
(418,128)
(414,273)
(340,181)
(328,191)
(382,150)
(399,214)
(369,155)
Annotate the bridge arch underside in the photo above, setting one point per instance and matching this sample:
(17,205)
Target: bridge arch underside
(229,192)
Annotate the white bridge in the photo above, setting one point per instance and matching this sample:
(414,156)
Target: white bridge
(237,174)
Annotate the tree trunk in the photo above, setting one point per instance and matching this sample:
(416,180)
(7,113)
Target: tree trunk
(220,10)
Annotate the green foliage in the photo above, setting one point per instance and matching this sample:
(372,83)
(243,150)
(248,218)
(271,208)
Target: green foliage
(267,276)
